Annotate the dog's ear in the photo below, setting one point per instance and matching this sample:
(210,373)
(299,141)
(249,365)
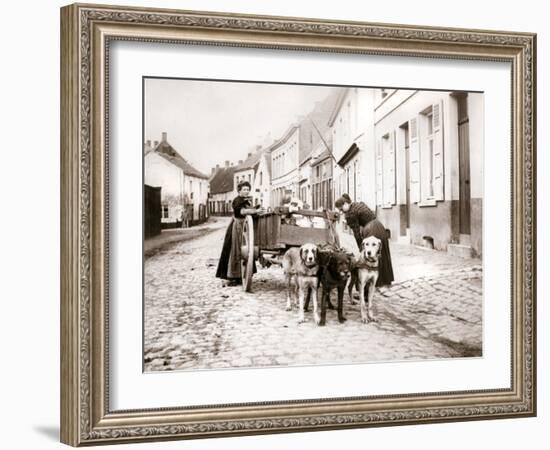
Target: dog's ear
(302,253)
(379,252)
(322,257)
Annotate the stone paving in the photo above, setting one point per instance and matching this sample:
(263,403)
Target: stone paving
(193,322)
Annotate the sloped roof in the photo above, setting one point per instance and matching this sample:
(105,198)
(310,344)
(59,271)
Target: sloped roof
(316,124)
(147,147)
(337,105)
(250,162)
(222,181)
(321,157)
(168,152)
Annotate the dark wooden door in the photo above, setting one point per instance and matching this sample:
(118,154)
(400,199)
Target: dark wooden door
(464,164)
(407,180)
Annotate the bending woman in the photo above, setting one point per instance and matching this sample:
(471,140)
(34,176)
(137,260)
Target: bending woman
(229,265)
(364,223)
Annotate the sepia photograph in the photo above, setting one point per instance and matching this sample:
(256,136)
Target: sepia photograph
(296,225)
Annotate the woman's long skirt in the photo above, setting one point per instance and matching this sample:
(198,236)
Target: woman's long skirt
(229,265)
(385,268)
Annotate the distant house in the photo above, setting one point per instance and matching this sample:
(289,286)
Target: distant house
(321,170)
(184,189)
(261,188)
(284,166)
(259,178)
(353,143)
(304,180)
(289,155)
(222,190)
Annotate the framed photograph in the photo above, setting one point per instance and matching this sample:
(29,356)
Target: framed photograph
(276,224)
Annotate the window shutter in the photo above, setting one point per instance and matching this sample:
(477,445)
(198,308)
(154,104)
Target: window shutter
(414,161)
(438,168)
(389,171)
(379,174)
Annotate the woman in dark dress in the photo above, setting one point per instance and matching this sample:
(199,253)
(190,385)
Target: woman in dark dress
(229,265)
(364,223)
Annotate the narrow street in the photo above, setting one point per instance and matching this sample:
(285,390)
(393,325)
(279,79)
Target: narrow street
(433,310)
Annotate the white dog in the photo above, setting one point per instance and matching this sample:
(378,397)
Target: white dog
(301,266)
(367,273)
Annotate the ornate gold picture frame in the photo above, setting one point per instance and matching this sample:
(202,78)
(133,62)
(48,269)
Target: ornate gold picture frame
(87,31)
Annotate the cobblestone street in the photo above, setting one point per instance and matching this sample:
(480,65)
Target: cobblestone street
(433,310)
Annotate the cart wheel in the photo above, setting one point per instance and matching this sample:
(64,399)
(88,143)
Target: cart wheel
(248,254)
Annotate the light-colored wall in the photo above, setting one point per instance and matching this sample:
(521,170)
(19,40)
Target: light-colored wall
(402,107)
(361,132)
(476,115)
(285,174)
(160,172)
(176,187)
(284,158)
(262,184)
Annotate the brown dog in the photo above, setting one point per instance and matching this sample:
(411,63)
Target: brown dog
(300,266)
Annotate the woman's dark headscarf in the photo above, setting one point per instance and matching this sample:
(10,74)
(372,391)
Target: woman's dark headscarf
(243,184)
(345,198)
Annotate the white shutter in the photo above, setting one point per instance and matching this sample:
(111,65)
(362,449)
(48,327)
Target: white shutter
(379,174)
(389,171)
(438,168)
(414,160)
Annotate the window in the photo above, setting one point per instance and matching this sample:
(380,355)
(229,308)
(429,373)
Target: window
(385,171)
(431,155)
(261,179)
(165,214)
(426,170)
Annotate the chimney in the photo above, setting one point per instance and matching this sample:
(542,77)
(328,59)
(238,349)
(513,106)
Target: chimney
(258,147)
(217,167)
(213,170)
(149,143)
(249,155)
(155,144)
(164,136)
(226,163)
(240,161)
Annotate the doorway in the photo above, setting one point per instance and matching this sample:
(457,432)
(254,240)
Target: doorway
(407,206)
(464,163)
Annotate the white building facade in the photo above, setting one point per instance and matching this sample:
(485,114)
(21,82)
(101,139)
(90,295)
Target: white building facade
(429,167)
(353,145)
(184,190)
(284,166)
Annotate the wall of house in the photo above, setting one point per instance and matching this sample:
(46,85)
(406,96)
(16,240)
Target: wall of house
(284,168)
(262,183)
(435,219)
(354,124)
(305,182)
(476,114)
(219,200)
(161,173)
(199,188)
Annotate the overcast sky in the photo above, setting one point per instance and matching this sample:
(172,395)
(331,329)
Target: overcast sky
(209,122)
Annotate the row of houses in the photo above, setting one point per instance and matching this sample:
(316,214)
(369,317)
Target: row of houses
(414,156)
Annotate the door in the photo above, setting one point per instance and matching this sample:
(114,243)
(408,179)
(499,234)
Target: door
(464,163)
(408,180)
